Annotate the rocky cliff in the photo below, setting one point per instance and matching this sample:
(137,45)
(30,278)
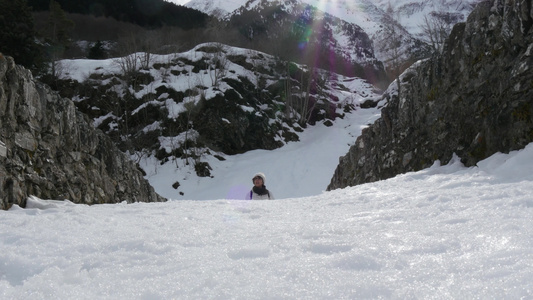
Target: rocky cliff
(50,150)
(474,99)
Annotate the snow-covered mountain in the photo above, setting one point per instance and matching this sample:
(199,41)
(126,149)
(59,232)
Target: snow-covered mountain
(218,8)
(411,13)
(300,32)
(367,14)
(373,16)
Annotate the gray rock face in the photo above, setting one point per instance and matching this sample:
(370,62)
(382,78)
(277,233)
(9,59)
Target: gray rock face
(474,99)
(50,150)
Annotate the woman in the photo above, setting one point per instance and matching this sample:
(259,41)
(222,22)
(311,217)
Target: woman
(259,190)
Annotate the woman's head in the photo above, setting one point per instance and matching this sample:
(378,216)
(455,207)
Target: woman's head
(259,179)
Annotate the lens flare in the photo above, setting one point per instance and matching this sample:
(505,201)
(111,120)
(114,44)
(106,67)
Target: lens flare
(315,39)
(319,42)
(326,5)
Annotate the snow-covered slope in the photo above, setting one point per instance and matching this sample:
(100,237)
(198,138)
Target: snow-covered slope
(297,169)
(448,232)
(373,17)
(174,74)
(367,14)
(218,8)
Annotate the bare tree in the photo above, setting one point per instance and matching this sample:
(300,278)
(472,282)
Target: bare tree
(135,50)
(148,42)
(189,106)
(167,40)
(287,90)
(305,92)
(195,90)
(435,30)
(129,58)
(128,64)
(391,44)
(218,63)
(57,32)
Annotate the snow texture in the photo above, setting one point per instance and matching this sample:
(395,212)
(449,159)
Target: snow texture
(447,232)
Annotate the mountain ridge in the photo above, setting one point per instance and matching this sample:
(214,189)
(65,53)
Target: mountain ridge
(309,36)
(378,20)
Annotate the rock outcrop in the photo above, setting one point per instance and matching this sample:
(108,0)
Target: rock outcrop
(50,150)
(474,99)
(211,101)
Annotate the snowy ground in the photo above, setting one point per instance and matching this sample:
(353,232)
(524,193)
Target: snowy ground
(297,169)
(447,232)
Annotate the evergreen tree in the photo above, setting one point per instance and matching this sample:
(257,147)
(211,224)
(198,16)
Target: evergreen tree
(97,51)
(146,13)
(58,34)
(17,36)
(59,26)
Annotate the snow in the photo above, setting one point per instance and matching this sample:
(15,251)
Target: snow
(365,13)
(318,144)
(291,170)
(447,232)
(180,2)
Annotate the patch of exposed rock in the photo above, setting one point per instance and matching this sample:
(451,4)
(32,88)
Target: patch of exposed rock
(474,99)
(50,150)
